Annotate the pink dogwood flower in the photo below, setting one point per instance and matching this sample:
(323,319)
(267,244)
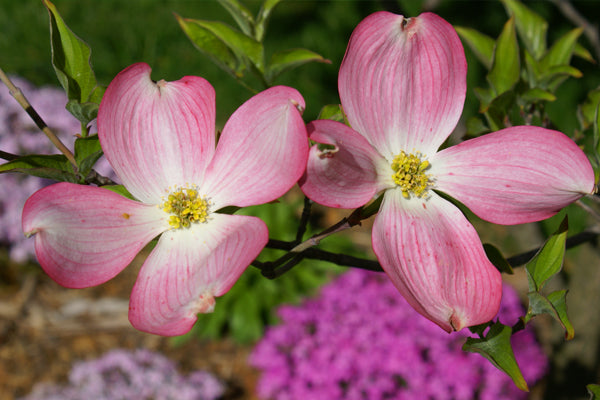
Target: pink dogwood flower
(402,86)
(160,139)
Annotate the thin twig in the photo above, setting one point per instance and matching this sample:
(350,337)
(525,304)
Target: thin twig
(590,31)
(20,97)
(588,209)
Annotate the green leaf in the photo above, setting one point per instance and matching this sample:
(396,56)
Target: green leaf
(87,152)
(70,58)
(597,131)
(481,44)
(263,17)
(476,127)
(498,110)
(559,302)
(120,189)
(240,14)
(505,67)
(584,53)
(562,50)
(288,59)
(55,167)
(589,107)
(532,28)
(497,349)
(496,258)
(593,391)
(229,48)
(554,305)
(84,112)
(333,112)
(548,261)
(537,94)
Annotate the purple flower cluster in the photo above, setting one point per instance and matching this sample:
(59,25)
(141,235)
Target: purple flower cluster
(20,136)
(361,340)
(126,375)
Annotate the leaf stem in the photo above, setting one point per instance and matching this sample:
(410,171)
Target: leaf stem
(23,102)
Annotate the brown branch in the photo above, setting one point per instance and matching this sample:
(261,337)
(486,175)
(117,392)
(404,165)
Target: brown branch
(590,31)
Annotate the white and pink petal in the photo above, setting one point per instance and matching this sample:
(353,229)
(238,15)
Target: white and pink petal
(86,235)
(157,135)
(188,268)
(434,257)
(402,82)
(347,175)
(262,151)
(515,175)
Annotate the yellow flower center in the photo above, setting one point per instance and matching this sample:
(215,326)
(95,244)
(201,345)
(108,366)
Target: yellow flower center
(186,208)
(409,174)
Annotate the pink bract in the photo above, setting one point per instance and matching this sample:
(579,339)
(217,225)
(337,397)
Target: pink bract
(402,86)
(160,138)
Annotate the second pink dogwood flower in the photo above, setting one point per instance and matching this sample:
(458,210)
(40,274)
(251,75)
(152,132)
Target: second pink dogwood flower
(402,86)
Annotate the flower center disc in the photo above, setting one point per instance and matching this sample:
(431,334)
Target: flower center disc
(185,207)
(409,174)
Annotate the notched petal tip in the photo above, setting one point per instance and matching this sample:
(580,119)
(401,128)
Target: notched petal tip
(298,106)
(204,305)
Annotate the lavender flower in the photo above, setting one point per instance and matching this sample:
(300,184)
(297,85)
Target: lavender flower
(360,340)
(125,375)
(19,135)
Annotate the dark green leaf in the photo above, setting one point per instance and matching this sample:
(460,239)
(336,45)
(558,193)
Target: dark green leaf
(240,14)
(589,107)
(87,152)
(548,261)
(481,44)
(505,67)
(593,391)
(496,257)
(288,59)
(263,18)
(499,109)
(70,58)
(55,167)
(497,349)
(476,127)
(532,28)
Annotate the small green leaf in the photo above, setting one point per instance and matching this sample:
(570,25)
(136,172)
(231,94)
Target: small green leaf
(593,391)
(230,49)
(240,14)
(55,167)
(589,107)
(481,44)
(496,258)
(548,261)
(70,58)
(597,131)
(84,112)
(333,112)
(537,94)
(497,349)
(476,127)
(554,305)
(584,53)
(87,152)
(559,302)
(562,50)
(263,18)
(498,110)
(532,27)
(120,189)
(288,59)
(505,70)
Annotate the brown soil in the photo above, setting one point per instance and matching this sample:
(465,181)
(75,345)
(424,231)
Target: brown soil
(44,328)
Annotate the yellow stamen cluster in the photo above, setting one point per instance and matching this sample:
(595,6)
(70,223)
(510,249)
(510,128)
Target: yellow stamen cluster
(409,174)
(186,208)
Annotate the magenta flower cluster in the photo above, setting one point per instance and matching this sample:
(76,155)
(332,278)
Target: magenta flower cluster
(361,340)
(125,375)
